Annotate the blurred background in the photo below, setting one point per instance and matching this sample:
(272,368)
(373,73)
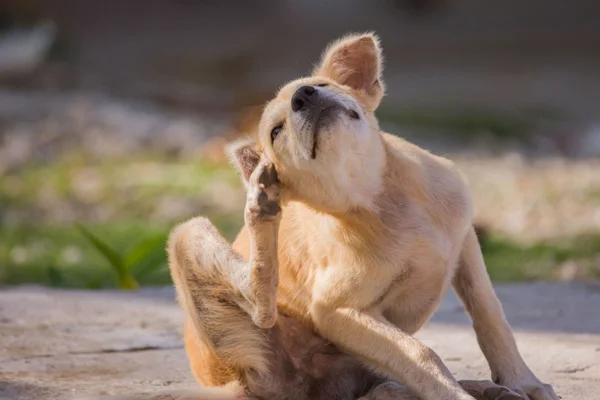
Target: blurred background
(113,115)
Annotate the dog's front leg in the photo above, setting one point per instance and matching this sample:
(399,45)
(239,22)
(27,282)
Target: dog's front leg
(371,338)
(473,286)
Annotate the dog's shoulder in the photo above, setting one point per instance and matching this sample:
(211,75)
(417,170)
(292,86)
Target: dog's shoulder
(432,181)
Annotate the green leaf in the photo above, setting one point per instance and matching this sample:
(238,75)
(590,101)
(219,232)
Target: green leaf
(55,277)
(143,250)
(128,282)
(155,275)
(111,255)
(154,260)
(124,278)
(93,284)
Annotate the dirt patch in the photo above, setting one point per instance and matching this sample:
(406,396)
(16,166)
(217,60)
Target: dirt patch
(56,344)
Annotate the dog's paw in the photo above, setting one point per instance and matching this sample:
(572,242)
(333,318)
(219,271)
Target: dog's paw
(488,390)
(524,382)
(262,197)
(532,389)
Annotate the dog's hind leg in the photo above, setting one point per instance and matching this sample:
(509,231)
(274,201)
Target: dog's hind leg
(229,302)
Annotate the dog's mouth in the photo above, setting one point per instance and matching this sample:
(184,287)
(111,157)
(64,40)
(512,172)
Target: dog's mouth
(313,154)
(322,121)
(325,118)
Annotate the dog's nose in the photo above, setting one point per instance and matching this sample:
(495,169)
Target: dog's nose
(303,97)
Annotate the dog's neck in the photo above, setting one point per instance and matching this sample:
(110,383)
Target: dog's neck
(354,227)
(351,187)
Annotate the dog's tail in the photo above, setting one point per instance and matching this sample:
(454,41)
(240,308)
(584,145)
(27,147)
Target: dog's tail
(202,393)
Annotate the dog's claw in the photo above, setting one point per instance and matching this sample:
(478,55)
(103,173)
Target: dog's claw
(268,175)
(488,390)
(501,393)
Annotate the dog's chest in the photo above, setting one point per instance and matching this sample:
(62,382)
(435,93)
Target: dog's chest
(403,279)
(403,273)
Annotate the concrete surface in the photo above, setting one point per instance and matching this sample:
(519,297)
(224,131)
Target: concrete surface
(56,343)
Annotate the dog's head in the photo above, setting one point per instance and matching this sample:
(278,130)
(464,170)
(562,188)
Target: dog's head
(321,132)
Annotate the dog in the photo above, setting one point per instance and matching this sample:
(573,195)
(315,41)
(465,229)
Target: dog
(352,236)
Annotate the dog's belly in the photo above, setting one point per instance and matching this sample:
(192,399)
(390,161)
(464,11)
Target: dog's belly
(305,350)
(306,366)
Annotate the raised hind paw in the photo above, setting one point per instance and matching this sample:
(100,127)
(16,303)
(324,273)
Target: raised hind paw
(262,197)
(262,215)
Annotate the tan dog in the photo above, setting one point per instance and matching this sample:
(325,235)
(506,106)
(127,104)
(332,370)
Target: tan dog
(372,233)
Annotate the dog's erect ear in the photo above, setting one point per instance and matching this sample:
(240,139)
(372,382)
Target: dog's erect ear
(355,61)
(244,156)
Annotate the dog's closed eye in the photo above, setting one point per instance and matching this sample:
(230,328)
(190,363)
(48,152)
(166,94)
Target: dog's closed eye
(275,132)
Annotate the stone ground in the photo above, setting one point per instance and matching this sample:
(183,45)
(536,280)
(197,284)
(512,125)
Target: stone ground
(55,344)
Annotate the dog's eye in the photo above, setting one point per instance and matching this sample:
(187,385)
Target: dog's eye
(322,84)
(275,132)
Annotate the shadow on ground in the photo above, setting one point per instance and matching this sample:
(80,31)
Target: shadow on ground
(13,390)
(539,307)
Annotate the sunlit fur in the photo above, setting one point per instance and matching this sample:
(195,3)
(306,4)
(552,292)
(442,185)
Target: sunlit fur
(374,230)
(372,233)
(348,168)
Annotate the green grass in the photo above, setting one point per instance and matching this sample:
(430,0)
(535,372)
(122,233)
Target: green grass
(61,256)
(119,203)
(116,200)
(508,261)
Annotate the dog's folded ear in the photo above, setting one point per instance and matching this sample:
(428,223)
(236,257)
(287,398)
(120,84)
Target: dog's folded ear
(244,155)
(355,61)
